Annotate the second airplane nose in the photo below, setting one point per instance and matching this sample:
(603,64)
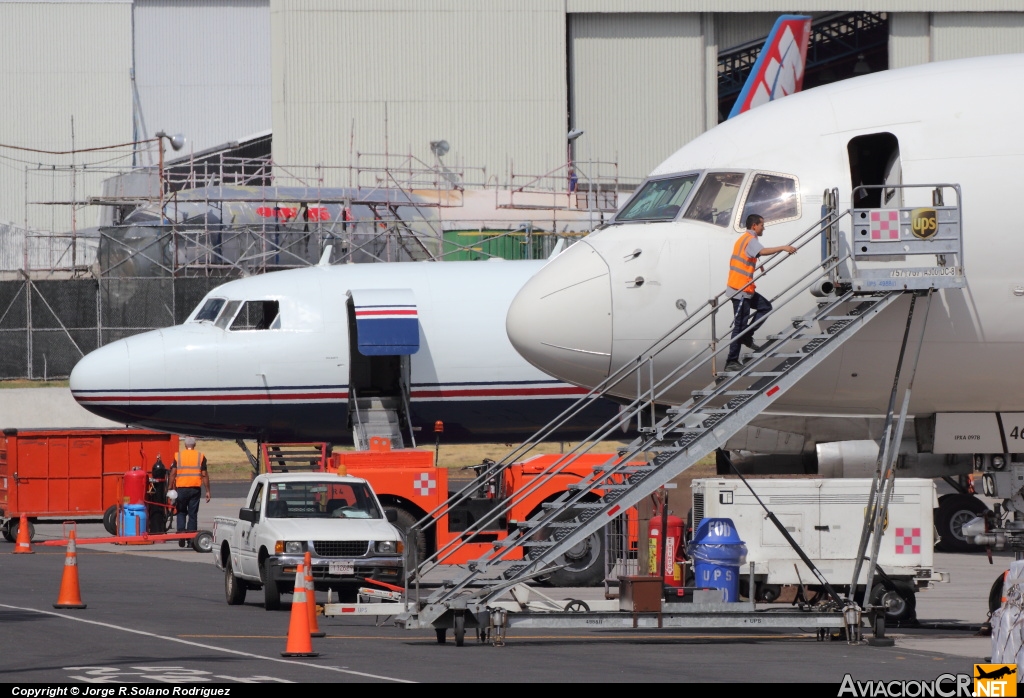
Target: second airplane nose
(561,320)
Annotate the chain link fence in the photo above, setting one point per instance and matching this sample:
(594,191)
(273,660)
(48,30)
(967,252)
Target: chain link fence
(46,326)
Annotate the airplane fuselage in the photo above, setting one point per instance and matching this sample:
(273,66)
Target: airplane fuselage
(291,373)
(951,123)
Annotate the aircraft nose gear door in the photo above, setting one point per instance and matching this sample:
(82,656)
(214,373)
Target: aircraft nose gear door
(383,330)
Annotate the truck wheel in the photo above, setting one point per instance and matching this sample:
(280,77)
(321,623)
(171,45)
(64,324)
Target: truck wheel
(897,608)
(110,519)
(203,542)
(6,531)
(954,511)
(584,563)
(404,524)
(271,594)
(234,588)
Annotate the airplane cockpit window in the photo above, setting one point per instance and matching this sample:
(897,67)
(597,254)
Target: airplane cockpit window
(659,199)
(774,197)
(257,315)
(210,310)
(228,315)
(716,198)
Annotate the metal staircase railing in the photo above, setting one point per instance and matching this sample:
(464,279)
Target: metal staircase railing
(684,434)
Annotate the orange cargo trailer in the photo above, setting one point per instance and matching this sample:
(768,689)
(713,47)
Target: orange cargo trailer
(71,473)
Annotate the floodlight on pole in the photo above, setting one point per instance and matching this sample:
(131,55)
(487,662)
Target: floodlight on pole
(439,148)
(574,134)
(177,142)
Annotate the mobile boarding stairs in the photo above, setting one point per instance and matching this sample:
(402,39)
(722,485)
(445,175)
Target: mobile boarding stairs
(869,259)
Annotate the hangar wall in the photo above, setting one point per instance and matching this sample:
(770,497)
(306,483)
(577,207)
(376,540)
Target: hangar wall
(489,78)
(64,78)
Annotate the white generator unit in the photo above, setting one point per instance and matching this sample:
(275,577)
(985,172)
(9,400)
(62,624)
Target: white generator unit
(824,517)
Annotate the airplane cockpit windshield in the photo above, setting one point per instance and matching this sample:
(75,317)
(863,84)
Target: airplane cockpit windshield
(716,198)
(209,311)
(659,199)
(774,197)
(240,315)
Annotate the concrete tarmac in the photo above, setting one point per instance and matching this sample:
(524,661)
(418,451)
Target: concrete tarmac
(157,614)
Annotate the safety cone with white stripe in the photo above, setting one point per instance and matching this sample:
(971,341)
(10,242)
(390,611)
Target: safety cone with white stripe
(70,596)
(314,626)
(23,543)
(299,642)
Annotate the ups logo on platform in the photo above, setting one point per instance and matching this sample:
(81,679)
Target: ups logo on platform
(924,223)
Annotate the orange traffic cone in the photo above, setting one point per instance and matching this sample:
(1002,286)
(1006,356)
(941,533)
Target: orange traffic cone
(314,627)
(70,596)
(23,544)
(299,642)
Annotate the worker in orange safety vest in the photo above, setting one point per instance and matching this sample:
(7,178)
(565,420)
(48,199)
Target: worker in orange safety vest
(187,478)
(741,281)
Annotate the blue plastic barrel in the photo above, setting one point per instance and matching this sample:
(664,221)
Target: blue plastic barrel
(717,553)
(133,520)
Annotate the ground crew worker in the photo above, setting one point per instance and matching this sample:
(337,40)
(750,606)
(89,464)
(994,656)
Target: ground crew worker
(741,279)
(187,478)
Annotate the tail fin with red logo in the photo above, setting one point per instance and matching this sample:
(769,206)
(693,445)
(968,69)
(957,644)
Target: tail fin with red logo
(779,69)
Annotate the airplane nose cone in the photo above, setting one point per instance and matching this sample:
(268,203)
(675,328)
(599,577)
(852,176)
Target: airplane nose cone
(104,369)
(561,320)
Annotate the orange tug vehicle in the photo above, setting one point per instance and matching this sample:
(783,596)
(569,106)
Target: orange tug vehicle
(408,481)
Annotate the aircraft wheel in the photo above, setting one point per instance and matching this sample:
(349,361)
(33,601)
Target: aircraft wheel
(995,594)
(953,512)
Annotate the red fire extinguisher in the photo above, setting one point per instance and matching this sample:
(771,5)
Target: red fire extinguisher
(671,570)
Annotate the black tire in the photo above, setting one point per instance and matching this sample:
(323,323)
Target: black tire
(110,519)
(577,606)
(234,588)
(203,542)
(900,605)
(271,592)
(5,530)
(441,634)
(459,631)
(16,524)
(995,594)
(953,512)
(583,563)
(404,523)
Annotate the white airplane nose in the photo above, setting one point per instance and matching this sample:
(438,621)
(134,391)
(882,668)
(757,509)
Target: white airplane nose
(561,320)
(105,369)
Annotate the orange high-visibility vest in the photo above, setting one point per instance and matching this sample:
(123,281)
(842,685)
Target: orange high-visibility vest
(189,470)
(741,265)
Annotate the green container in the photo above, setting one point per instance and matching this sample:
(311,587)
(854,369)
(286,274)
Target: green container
(468,245)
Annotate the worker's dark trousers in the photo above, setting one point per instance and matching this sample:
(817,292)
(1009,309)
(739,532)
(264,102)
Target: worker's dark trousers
(742,308)
(188,503)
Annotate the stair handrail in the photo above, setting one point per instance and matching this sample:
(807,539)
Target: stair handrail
(826,222)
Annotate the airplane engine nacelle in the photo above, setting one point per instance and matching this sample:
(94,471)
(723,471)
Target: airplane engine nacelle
(859,459)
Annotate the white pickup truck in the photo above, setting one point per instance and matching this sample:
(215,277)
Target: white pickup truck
(336,518)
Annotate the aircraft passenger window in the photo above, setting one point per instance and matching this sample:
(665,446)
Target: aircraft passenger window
(228,315)
(773,197)
(256,315)
(716,198)
(210,310)
(659,199)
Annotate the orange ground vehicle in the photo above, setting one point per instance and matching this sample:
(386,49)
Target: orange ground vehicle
(75,474)
(408,481)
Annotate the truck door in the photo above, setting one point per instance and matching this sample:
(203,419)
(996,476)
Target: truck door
(247,535)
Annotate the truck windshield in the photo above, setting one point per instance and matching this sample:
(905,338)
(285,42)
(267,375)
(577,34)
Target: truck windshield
(321,500)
